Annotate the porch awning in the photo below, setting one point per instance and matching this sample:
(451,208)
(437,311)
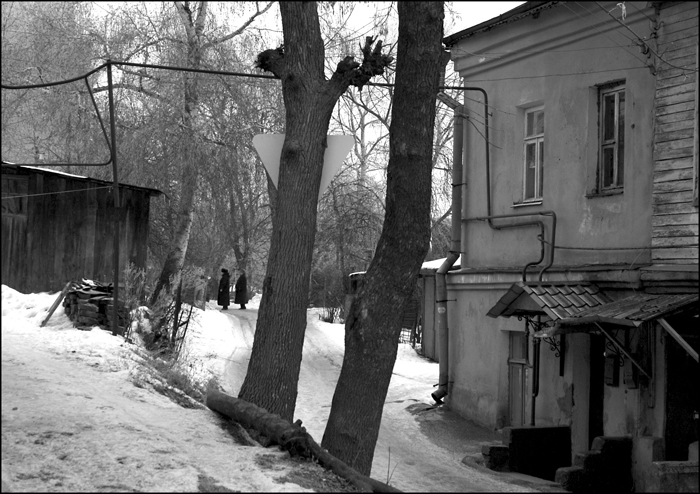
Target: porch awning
(626,313)
(554,300)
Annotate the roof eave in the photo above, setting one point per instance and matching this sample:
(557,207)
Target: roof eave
(519,12)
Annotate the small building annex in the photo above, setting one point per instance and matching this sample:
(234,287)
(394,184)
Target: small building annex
(58,227)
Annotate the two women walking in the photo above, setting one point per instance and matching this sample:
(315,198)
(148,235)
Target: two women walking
(241,296)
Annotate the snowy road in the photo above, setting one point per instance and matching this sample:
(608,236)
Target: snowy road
(406,445)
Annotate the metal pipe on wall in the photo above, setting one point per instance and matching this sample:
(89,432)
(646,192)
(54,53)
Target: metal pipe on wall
(455,248)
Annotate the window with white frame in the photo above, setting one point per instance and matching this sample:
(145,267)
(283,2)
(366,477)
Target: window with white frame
(611,154)
(533,154)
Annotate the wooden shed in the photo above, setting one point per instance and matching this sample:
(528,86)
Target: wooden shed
(58,227)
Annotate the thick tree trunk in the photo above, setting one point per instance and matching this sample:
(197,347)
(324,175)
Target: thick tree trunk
(290,437)
(374,323)
(273,371)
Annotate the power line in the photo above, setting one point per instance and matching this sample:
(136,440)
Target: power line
(642,42)
(601,32)
(555,75)
(498,54)
(58,192)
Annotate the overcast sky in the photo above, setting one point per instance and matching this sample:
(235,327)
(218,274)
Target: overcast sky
(473,13)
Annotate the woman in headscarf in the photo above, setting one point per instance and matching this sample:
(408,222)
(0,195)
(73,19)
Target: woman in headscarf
(224,297)
(241,290)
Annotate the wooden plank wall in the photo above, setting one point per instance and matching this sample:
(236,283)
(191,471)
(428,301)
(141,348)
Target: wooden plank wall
(675,216)
(69,235)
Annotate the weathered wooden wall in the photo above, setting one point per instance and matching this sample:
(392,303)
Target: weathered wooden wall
(63,235)
(675,207)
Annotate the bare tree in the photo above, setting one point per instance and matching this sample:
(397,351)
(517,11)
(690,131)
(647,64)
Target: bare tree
(374,323)
(273,371)
(193,21)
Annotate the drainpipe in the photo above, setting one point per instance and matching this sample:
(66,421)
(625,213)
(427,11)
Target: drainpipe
(489,219)
(535,372)
(455,247)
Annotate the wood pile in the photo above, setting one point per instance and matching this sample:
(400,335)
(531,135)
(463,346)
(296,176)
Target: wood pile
(90,303)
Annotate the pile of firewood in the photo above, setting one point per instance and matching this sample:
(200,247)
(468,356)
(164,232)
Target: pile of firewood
(90,303)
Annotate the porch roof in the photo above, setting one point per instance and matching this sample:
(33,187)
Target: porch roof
(555,300)
(633,310)
(628,313)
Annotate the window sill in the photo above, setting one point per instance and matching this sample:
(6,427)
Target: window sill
(537,202)
(604,193)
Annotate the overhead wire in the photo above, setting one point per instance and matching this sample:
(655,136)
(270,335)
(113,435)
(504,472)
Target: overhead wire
(554,75)
(6,197)
(498,54)
(642,41)
(644,62)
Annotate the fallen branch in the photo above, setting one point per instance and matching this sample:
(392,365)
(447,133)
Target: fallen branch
(58,300)
(290,437)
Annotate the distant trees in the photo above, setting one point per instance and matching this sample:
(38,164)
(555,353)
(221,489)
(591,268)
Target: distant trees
(193,20)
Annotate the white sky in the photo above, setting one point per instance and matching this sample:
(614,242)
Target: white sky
(74,421)
(473,13)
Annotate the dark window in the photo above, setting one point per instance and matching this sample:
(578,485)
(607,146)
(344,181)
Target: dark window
(611,167)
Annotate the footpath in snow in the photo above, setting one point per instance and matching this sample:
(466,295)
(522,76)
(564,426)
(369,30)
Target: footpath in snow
(73,420)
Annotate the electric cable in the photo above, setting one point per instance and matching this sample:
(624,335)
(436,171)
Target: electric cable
(641,40)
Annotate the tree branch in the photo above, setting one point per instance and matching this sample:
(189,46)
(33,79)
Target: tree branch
(272,61)
(123,85)
(238,31)
(186,18)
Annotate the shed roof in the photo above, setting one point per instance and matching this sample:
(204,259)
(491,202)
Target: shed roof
(519,12)
(556,300)
(97,181)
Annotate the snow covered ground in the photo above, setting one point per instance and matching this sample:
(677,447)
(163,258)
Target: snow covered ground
(72,419)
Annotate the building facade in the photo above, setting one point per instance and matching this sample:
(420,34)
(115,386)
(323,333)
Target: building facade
(579,191)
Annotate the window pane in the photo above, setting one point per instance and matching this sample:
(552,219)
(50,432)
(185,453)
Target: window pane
(539,122)
(518,343)
(609,117)
(530,171)
(621,141)
(608,168)
(540,156)
(529,124)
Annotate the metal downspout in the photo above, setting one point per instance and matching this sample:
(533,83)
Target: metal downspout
(489,217)
(455,249)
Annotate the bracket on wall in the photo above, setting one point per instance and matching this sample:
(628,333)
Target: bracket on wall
(557,347)
(622,350)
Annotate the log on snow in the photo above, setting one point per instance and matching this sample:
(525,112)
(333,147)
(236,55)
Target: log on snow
(290,437)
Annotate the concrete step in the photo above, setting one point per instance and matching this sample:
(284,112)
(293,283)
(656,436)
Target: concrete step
(573,479)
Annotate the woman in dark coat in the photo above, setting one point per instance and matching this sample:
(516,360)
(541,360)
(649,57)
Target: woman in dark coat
(241,290)
(224,298)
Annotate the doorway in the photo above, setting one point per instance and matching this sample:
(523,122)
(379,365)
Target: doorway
(597,388)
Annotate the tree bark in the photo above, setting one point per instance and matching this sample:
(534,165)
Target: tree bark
(309,99)
(373,326)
